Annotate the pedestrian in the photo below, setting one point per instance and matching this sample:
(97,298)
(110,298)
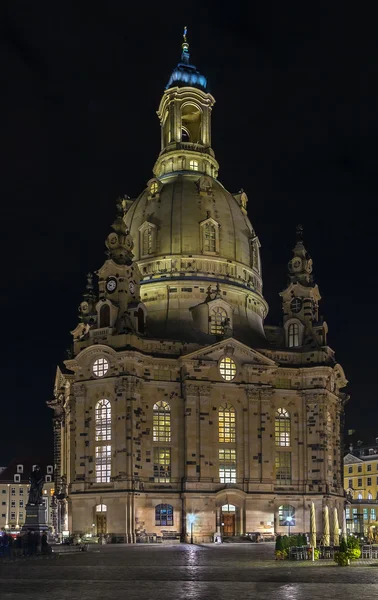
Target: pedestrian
(18,546)
(37,542)
(44,544)
(10,546)
(30,542)
(5,541)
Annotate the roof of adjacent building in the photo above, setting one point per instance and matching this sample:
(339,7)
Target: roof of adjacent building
(7,475)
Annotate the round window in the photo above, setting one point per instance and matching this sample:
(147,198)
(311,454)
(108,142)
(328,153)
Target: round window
(227,368)
(100,367)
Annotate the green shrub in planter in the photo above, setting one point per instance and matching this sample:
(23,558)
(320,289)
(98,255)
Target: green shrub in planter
(342,559)
(354,549)
(343,545)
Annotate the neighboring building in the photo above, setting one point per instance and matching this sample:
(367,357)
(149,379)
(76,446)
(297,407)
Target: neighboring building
(14,492)
(361,485)
(178,411)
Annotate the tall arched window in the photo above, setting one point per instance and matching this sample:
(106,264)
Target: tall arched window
(227,424)
(161,426)
(282,427)
(103,433)
(218,320)
(164,515)
(285,511)
(105,315)
(103,419)
(293,335)
(147,241)
(209,238)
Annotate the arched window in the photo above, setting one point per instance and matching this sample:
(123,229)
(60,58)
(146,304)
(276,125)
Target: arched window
(164,515)
(359,497)
(293,335)
(161,426)
(147,241)
(105,315)
(209,238)
(218,320)
(286,514)
(101,508)
(103,419)
(282,427)
(227,424)
(370,496)
(193,165)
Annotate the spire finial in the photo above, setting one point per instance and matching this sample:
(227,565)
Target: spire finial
(185,47)
(299,232)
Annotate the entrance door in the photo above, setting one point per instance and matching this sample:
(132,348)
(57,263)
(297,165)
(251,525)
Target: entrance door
(228,521)
(101,524)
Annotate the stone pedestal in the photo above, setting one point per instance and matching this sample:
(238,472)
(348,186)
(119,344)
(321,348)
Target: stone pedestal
(35,518)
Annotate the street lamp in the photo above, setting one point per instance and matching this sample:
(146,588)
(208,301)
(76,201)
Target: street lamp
(192,518)
(289,522)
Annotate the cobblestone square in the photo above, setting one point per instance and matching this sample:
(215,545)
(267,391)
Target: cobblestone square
(183,571)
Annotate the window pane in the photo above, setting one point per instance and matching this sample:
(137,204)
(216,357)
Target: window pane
(286,514)
(218,320)
(282,427)
(103,421)
(161,426)
(162,465)
(227,465)
(103,464)
(283,467)
(227,424)
(164,515)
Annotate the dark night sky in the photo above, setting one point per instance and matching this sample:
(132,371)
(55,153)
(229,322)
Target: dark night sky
(295,125)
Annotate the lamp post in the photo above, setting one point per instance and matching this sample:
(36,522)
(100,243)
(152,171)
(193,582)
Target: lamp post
(289,522)
(191,521)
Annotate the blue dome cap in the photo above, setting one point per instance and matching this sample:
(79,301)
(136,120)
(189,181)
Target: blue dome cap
(186,74)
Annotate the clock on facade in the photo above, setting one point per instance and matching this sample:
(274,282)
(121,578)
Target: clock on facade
(297,263)
(111,285)
(132,287)
(296,305)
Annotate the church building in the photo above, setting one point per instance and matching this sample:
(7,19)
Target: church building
(179,413)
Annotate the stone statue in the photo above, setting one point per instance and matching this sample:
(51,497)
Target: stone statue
(36,480)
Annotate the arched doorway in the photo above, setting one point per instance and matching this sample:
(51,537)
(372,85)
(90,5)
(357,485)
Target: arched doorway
(228,520)
(101,522)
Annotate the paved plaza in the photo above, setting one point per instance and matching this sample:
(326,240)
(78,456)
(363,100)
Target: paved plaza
(183,572)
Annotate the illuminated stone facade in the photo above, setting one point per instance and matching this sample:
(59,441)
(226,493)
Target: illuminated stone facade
(179,413)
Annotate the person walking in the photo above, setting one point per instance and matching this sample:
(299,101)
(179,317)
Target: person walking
(44,544)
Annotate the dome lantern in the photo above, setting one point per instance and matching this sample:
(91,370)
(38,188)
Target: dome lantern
(185,119)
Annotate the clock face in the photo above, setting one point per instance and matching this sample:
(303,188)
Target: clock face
(297,263)
(132,287)
(113,239)
(84,307)
(296,305)
(111,285)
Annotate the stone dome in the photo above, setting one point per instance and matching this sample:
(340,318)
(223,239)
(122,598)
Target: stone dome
(190,236)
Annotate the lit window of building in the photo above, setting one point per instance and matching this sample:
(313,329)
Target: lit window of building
(103,420)
(227,465)
(101,508)
(210,238)
(161,426)
(283,467)
(373,514)
(218,320)
(282,427)
(162,465)
(227,424)
(100,367)
(103,464)
(193,165)
(293,335)
(163,515)
(147,242)
(154,188)
(227,368)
